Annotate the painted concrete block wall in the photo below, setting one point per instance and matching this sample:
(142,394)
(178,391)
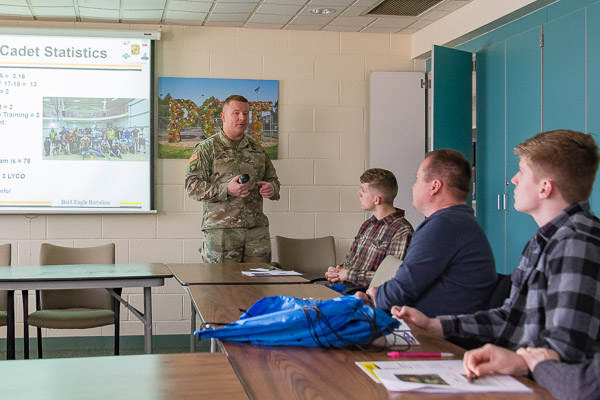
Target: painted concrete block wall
(323,78)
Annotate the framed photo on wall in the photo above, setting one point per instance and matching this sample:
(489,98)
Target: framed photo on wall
(189,111)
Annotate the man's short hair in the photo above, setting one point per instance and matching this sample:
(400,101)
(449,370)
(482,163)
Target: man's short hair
(569,158)
(382,180)
(235,97)
(451,167)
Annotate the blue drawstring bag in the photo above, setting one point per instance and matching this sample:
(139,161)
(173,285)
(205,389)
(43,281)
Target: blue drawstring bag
(288,321)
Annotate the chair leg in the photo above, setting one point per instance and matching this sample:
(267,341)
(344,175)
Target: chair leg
(117,311)
(39,342)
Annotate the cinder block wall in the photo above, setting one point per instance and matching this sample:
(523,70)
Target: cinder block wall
(324,99)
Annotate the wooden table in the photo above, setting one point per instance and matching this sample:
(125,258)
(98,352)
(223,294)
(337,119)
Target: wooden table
(83,276)
(223,274)
(226,274)
(156,377)
(225,303)
(271,372)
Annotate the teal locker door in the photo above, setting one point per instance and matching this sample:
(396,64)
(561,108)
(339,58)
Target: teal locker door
(523,120)
(564,72)
(593,92)
(490,155)
(452,100)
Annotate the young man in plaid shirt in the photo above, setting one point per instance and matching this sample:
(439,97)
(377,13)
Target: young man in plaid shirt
(387,232)
(555,296)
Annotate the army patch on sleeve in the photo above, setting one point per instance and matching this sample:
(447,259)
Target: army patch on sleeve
(194,157)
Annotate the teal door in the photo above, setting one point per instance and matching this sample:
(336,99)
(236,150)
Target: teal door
(564,72)
(523,120)
(491,148)
(452,100)
(593,87)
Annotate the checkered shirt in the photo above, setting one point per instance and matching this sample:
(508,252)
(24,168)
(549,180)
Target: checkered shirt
(375,240)
(555,295)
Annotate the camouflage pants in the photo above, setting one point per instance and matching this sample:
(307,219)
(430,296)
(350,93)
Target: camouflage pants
(236,245)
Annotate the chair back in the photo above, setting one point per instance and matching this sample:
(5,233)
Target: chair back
(76,298)
(311,257)
(386,270)
(501,291)
(5,252)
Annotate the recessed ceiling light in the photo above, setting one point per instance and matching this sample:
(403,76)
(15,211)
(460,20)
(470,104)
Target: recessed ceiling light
(322,11)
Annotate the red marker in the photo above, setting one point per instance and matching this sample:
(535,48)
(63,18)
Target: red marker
(438,355)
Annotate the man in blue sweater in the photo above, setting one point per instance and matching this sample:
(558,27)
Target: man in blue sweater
(449,266)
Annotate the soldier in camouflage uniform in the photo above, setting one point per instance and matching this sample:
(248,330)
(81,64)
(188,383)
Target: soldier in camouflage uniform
(234,225)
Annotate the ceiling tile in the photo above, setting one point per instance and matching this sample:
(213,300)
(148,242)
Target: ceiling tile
(184,16)
(257,25)
(279,9)
(452,5)
(354,11)
(352,21)
(221,7)
(422,23)
(312,20)
(307,27)
(142,14)
(183,22)
(330,3)
(269,19)
(286,2)
(53,3)
(13,3)
(228,17)
(226,24)
(435,15)
(408,31)
(54,11)
(393,22)
(85,12)
(371,29)
(16,10)
(367,3)
(105,4)
(306,11)
(193,6)
(342,28)
(143,4)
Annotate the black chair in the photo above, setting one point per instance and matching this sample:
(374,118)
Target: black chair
(501,291)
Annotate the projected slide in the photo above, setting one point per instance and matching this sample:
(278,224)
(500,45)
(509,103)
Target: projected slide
(74,124)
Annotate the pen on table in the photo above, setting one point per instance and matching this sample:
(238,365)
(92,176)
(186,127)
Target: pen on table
(472,378)
(397,354)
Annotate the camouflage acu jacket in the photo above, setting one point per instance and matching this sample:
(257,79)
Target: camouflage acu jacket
(212,166)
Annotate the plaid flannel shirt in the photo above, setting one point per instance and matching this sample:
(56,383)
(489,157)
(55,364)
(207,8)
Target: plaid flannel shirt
(555,295)
(375,240)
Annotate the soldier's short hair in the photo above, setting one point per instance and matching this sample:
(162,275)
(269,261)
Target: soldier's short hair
(235,97)
(382,180)
(569,158)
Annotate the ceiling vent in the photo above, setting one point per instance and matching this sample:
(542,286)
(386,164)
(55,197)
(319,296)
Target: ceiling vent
(403,8)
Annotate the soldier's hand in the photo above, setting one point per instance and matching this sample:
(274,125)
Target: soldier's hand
(237,189)
(266,189)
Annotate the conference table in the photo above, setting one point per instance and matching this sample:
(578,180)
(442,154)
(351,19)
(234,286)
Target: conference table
(191,274)
(84,276)
(272,372)
(153,376)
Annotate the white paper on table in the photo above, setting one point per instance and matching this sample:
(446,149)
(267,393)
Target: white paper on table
(440,376)
(269,272)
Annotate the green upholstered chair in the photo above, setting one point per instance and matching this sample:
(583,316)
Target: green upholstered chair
(311,257)
(74,308)
(4,261)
